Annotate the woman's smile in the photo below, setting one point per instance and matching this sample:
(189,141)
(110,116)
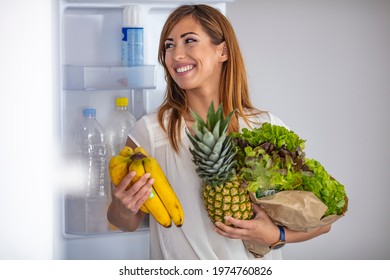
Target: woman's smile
(184,69)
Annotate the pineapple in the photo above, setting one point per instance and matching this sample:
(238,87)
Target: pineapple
(214,158)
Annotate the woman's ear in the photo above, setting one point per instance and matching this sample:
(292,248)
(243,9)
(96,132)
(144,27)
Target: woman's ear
(223,51)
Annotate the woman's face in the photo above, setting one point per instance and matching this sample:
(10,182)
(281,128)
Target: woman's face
(191,58)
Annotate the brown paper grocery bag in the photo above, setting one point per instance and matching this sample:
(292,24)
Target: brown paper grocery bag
(296,210)
(257,250)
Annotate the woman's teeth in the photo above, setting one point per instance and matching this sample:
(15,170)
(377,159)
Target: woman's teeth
(184,69)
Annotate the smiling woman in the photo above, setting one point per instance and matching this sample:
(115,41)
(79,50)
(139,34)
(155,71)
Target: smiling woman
(216,32)
(192,59)
(203,64)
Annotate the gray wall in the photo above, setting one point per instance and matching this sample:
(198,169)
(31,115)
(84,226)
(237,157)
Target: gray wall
(324,67)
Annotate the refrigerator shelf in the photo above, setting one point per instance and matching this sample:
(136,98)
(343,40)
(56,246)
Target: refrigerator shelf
(86,216)
(78,77)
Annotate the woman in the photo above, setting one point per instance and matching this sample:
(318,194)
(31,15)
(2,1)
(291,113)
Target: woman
(202,61)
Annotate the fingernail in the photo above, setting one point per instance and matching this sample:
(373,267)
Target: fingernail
(151,193)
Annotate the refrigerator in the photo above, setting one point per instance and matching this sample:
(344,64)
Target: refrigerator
(89,73)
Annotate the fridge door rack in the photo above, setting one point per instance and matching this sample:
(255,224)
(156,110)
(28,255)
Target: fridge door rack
(78,77)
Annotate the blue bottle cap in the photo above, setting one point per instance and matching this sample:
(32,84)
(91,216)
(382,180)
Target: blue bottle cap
(89,112)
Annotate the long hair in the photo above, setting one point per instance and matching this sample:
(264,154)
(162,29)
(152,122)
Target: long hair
(233,87)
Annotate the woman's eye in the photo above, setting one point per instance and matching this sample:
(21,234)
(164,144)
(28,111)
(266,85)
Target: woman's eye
(190,40)
(168,45)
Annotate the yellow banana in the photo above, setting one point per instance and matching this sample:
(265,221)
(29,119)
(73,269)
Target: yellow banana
(153,204)
(139,172)
(164,190)
(123,157)
(118,171)
(126,151)
(163,203)
(141,150)
(115,160)
(144,209)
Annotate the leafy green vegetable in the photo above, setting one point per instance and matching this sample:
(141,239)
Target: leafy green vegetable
(325,187)
(277,135)
(271,158)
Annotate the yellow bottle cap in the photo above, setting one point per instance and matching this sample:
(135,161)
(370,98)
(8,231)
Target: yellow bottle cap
(122,101)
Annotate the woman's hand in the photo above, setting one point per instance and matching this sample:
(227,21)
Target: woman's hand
(260,229)
(263,231)
(123,211)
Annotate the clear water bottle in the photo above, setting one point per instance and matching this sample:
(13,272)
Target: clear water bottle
(118,127)
(86,207)
(91,153)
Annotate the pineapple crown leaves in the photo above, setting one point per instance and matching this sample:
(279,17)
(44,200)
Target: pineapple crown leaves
(212,151)
(215,123)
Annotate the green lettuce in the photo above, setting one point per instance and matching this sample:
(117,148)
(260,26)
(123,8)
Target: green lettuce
(271,159)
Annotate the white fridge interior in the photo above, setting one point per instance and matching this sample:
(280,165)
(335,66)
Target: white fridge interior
(91,75)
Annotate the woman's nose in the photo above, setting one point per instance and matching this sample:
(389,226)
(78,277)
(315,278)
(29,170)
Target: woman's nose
(179,52)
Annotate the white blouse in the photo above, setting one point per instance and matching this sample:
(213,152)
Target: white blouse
(196,239)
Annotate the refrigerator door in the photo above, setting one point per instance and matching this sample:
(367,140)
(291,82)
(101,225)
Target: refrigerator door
(90,74)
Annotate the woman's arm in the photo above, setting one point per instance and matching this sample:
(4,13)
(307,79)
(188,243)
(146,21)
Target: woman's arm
(263,231)
(123,211)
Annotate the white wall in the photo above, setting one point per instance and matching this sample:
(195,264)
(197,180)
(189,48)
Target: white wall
(324,68)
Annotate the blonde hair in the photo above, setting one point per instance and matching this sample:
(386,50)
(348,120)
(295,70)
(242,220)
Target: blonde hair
(233,92)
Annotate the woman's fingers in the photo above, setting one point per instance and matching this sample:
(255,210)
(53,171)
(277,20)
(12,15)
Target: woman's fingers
(132,198)
(259,229)
(143,194)
(236,229)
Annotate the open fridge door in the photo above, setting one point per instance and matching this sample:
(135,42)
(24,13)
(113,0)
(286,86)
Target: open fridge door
(90,74)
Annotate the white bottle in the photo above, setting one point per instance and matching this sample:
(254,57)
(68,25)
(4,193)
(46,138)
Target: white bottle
(118,127)
(132,37)
(91,154)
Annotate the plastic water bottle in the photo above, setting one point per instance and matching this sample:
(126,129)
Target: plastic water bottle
(91,153)
(118,127)
(132,37)
(86,208)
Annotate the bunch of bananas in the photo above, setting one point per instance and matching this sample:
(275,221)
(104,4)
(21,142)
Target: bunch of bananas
(162,203)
